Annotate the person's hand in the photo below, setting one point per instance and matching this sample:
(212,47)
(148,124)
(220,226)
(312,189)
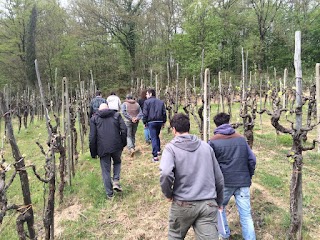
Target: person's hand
(220,208)
(169,199)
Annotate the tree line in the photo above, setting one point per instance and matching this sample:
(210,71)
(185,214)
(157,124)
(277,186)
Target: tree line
(123,40)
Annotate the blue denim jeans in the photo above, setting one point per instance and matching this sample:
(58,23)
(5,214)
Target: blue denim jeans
(242,197)
(154,128)
(201,215)
(146,133)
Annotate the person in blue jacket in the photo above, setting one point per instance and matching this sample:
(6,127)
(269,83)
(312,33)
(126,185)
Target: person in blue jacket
(154,115)
(237,163)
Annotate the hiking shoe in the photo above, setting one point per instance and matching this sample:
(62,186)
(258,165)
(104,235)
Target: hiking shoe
(110,196)
(117,187)
(132,151)
(155,159)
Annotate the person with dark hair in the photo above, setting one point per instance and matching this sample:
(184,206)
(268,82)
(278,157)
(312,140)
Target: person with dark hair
(108,137)
(141,101)
(95,103)
(114,102)
(132,113)
(237,162)
(154,115)
(192,179)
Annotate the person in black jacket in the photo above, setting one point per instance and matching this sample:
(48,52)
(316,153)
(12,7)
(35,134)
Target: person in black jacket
(154,114)
(108,137)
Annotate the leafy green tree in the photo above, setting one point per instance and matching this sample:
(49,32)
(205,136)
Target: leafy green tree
(161,22)
(13,34)
(266,11)
(50,38)
(31,48)
(117,20)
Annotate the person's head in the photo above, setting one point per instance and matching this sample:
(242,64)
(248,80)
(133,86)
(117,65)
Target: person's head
(221,118)
(129,96)
(151,93)
(103,106)
(98,93)
(180,123)
(143,94)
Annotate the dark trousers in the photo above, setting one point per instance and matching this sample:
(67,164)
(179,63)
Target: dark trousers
(105,164)
(154,129)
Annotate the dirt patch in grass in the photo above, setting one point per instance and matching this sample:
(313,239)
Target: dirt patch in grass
(70,213)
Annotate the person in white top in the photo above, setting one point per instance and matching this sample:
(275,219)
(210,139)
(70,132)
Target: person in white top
(114,102)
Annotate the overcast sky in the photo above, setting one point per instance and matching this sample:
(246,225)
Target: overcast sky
(64,3)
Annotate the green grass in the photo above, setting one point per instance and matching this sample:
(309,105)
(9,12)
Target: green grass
(141,211)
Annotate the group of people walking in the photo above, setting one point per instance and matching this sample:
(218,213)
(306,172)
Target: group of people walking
(110,132)
(199,178)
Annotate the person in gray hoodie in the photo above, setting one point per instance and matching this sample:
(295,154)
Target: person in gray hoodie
(191,178)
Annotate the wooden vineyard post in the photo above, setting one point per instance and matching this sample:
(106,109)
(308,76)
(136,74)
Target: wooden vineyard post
(157,86)
(66,126)
(168,74)
(177,90)
(206,105)
(243,75)
(220,93)
(92,86)
(194,90)
(185,91)
(295,231)
(285,75)
(138,87)
(297,63)
(43,99)
(318,101)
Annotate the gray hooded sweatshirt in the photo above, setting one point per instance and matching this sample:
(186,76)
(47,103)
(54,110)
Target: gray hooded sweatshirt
(190,171)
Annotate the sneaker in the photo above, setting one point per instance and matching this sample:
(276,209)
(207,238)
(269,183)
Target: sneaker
(155,159)
(110,196)
(132,151)
(117,187)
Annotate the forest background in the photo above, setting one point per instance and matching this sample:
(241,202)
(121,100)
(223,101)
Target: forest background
(118,41)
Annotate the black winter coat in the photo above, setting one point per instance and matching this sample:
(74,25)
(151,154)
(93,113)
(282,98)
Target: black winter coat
(108,133)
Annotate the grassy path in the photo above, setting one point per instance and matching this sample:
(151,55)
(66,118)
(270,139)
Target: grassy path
(141,211)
